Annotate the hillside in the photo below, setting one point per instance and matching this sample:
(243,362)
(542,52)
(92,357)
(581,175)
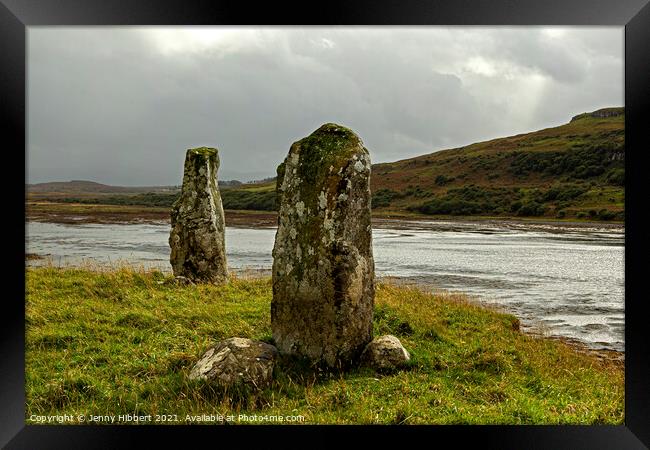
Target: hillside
(573,171)
(83,187)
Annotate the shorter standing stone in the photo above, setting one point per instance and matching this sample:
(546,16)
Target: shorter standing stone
(237,361)
(385,352)
(197,238)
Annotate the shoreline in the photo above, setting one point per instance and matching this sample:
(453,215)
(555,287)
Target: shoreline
(102,214)
(534,329)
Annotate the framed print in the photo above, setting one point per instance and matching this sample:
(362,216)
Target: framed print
(425,214)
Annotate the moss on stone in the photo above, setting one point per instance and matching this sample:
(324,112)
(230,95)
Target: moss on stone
(203,155)
(331,143)
(279,179)
(331,146)
(197,235)
(323,269)
(204,151)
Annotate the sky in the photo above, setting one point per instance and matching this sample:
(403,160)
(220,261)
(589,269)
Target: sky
(121,105)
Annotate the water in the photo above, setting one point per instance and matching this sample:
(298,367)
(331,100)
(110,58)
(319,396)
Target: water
(565,283)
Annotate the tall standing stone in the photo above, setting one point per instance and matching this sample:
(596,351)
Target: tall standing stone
(323,268)
(197,240)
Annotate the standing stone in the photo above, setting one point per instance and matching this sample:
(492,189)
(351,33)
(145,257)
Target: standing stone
(197,241)
(323,268)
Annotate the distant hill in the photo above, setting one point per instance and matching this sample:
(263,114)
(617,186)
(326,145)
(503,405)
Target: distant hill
(573,171)
(87,187)
(91,187)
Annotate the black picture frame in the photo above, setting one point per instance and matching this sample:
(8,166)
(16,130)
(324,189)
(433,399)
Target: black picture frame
(16,15)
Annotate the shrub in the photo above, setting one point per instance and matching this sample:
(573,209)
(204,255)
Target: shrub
(588,161)
(514,206)
(531,209)
(604,214)
(243,199)
(416,191)
(441,180)
(383,197)
(563,192)
(616,177)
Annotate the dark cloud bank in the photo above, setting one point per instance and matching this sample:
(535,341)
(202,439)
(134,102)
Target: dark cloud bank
(121,105)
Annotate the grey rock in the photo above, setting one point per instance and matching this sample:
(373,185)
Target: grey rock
(323,267)
(197,238)
(385,352)
(237,361)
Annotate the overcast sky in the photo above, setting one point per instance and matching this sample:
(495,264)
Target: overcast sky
(121,105)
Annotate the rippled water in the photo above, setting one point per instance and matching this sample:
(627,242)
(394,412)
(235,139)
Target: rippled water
(568,283)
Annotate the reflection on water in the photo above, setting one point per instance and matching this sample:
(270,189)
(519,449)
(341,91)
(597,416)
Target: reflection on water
(569,283)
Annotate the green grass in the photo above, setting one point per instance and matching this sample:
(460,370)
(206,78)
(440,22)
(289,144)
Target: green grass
(123,341)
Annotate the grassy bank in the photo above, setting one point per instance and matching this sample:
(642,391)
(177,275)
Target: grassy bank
(123,342)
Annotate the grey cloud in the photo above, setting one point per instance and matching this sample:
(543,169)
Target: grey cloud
(111,105)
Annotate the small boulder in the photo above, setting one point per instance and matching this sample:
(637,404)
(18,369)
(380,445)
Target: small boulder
(237,361)
(385,352)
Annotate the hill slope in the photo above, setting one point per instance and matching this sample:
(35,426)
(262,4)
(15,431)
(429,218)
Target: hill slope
(91,187)
(576,169)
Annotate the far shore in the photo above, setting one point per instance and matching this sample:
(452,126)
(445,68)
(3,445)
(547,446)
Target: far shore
(71,213)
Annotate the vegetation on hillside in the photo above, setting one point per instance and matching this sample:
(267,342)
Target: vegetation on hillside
(576,170)
(123,341)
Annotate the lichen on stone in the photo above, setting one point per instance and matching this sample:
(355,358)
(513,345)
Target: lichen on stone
(197,237)
(237,361)
(322,302)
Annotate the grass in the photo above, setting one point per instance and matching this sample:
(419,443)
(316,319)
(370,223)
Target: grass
(123,341)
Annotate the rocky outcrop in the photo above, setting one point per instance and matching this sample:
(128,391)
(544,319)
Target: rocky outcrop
(197,238)
(237,361)
(385,352)
(601,113)
(323,267)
